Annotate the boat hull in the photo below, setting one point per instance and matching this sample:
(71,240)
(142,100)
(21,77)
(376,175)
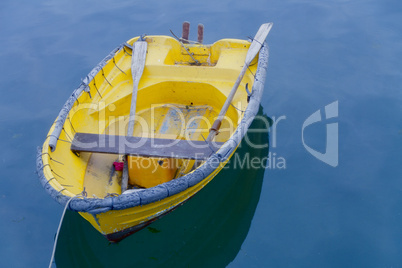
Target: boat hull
(120,235)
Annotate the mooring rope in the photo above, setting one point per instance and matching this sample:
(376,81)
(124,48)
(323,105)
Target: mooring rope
(58,229)
(188,52)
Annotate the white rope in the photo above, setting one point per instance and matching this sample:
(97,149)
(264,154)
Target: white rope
(58,229)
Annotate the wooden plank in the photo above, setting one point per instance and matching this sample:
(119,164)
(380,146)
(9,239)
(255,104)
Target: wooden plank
(146,147)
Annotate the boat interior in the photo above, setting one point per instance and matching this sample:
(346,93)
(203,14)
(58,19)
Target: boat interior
(181,92)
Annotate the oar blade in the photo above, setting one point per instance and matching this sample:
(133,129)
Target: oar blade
(137,68)
(257,42)
(138,60)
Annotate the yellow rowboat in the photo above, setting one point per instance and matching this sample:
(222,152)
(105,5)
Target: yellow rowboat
(139,136)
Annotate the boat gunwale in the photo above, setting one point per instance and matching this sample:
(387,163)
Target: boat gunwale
(159,192)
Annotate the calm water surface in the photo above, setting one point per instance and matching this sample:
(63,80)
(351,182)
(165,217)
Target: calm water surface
(305,213)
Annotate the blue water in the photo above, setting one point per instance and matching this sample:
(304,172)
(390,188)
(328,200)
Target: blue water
(309,213)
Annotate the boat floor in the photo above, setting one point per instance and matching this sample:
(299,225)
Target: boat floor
(169,121)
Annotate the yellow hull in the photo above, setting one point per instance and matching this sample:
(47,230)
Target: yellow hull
(114,223)
(172,86)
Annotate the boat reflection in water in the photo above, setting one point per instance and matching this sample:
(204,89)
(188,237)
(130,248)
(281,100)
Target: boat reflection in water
(208,230)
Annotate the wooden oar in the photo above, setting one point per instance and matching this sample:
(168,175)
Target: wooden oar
(252,52)
(137,67)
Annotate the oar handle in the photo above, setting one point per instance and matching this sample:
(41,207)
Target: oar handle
(218,122)
(215,126)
